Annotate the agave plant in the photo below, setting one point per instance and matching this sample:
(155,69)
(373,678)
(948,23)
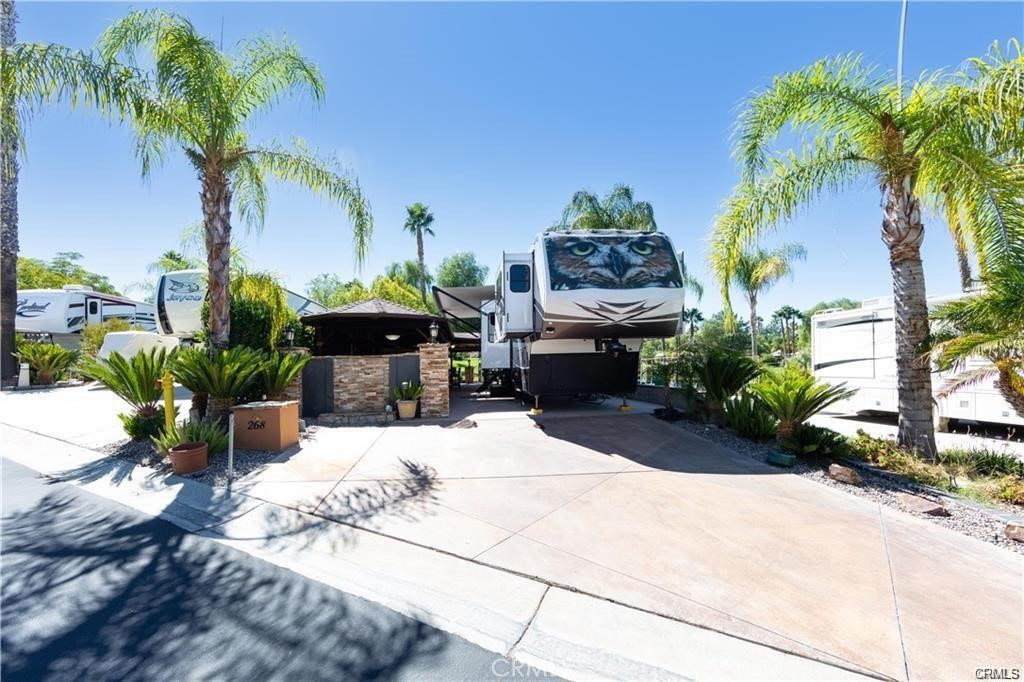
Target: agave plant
(49,361)
(223,375)
(280,370)
(408,391)
(723,373)
(794,396)
(135,381)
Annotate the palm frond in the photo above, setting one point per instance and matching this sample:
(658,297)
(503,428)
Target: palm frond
(966,380)
(266,70)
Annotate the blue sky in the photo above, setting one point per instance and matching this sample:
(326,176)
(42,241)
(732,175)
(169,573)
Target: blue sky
(493,115)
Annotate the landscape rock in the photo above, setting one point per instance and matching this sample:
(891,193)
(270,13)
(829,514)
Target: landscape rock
(838,472)
(922,505)
(1015,531)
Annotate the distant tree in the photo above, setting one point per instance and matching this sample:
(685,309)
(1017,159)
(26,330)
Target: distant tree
(397,291)
(170,261)
(715,332)
(788,318)
(692,318)
(329,290)
(757,270)
(409,272)
(62,269)
(617,211)
(461,270)
(417,222)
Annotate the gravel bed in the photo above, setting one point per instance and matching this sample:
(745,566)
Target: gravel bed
(216,474)
(878,488)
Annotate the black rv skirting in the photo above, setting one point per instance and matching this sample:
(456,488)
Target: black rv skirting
(575,373)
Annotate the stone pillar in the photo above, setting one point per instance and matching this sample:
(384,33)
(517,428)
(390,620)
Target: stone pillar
(434,377)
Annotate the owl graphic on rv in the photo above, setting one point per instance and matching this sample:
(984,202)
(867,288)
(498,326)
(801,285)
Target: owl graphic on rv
(622,262)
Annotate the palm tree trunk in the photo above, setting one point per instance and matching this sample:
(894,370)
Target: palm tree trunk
(964,263)
(903,232)
(419,258)
(753,325)
(8,219)
(1011,387)
(217,222)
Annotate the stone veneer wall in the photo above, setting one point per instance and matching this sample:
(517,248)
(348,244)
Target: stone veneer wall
(360,383)
(434,377)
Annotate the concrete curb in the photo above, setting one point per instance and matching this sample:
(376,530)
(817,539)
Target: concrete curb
(572,634)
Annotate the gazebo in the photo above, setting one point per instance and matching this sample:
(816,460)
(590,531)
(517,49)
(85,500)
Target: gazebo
(375,326)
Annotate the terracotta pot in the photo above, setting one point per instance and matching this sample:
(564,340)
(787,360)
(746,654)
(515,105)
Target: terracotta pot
(407,409)
(188,458)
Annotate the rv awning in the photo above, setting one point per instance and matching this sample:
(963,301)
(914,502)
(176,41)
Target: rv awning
(462,303)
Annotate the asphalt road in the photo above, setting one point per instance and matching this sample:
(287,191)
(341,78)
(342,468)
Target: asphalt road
(94,590)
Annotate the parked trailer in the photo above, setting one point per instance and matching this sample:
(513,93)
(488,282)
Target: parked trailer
(179,303)
(63,313)
(858,347)
(575,309)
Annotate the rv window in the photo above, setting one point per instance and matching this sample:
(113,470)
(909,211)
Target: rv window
(94,307)
(490,328)
(519,278)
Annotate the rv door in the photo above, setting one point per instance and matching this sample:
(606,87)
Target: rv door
(515,299)
(93,310)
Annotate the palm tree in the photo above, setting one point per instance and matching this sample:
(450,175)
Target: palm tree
(170,261)
(943,143)
(201,100)
(617,211)
(788,317)
(692,318)
(8,213)
(757,270)
(418,222)
(988,325)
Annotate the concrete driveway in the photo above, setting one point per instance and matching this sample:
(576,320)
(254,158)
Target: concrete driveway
(639,512)
(643,513)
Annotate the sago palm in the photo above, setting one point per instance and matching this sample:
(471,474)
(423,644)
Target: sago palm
(417,222)
(723,373)
(793,396)
(757,271)
(617,211)
(179,91)
(943,143)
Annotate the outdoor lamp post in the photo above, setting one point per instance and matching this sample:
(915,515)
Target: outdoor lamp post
(433,331)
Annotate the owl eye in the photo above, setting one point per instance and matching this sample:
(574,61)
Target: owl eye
(581,249)
(642,248)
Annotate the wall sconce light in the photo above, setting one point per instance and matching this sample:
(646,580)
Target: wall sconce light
(289,336)
(433,331)
(392,337)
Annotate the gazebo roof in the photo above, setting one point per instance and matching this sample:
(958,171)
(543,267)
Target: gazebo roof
(371,308)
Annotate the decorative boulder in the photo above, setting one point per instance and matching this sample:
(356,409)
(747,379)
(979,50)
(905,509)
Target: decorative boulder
(1015,531)
(838,472)
(922,505)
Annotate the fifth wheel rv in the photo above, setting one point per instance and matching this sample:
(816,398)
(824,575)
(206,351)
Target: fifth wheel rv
(179,303)
(62,313)
(858,347)
(575,309)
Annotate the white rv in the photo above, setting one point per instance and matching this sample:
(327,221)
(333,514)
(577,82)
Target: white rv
(575,309)
(179,303)
(858,347)
(62,313)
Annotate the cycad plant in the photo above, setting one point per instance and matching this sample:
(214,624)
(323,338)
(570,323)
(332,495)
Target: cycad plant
(748,416)
(723,373)
(223,375)
(48,361)
(947,142)
(279,371)
(179,91)
(794,396)
(134,380)
(986,326)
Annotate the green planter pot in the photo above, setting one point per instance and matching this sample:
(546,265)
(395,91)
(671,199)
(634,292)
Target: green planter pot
(781,459)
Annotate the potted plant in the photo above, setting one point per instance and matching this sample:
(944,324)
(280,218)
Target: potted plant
(189,445)
(407,396)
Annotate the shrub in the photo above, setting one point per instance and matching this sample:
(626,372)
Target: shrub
(139,426)
(408,391)
(794,396)
(808,439)
(48,361)
(1011,489)
(224,375)
(93,334)
(982,462)
(748,417)
(723,373)
(279,370)
(890,456)
(214,435)
(133,381)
